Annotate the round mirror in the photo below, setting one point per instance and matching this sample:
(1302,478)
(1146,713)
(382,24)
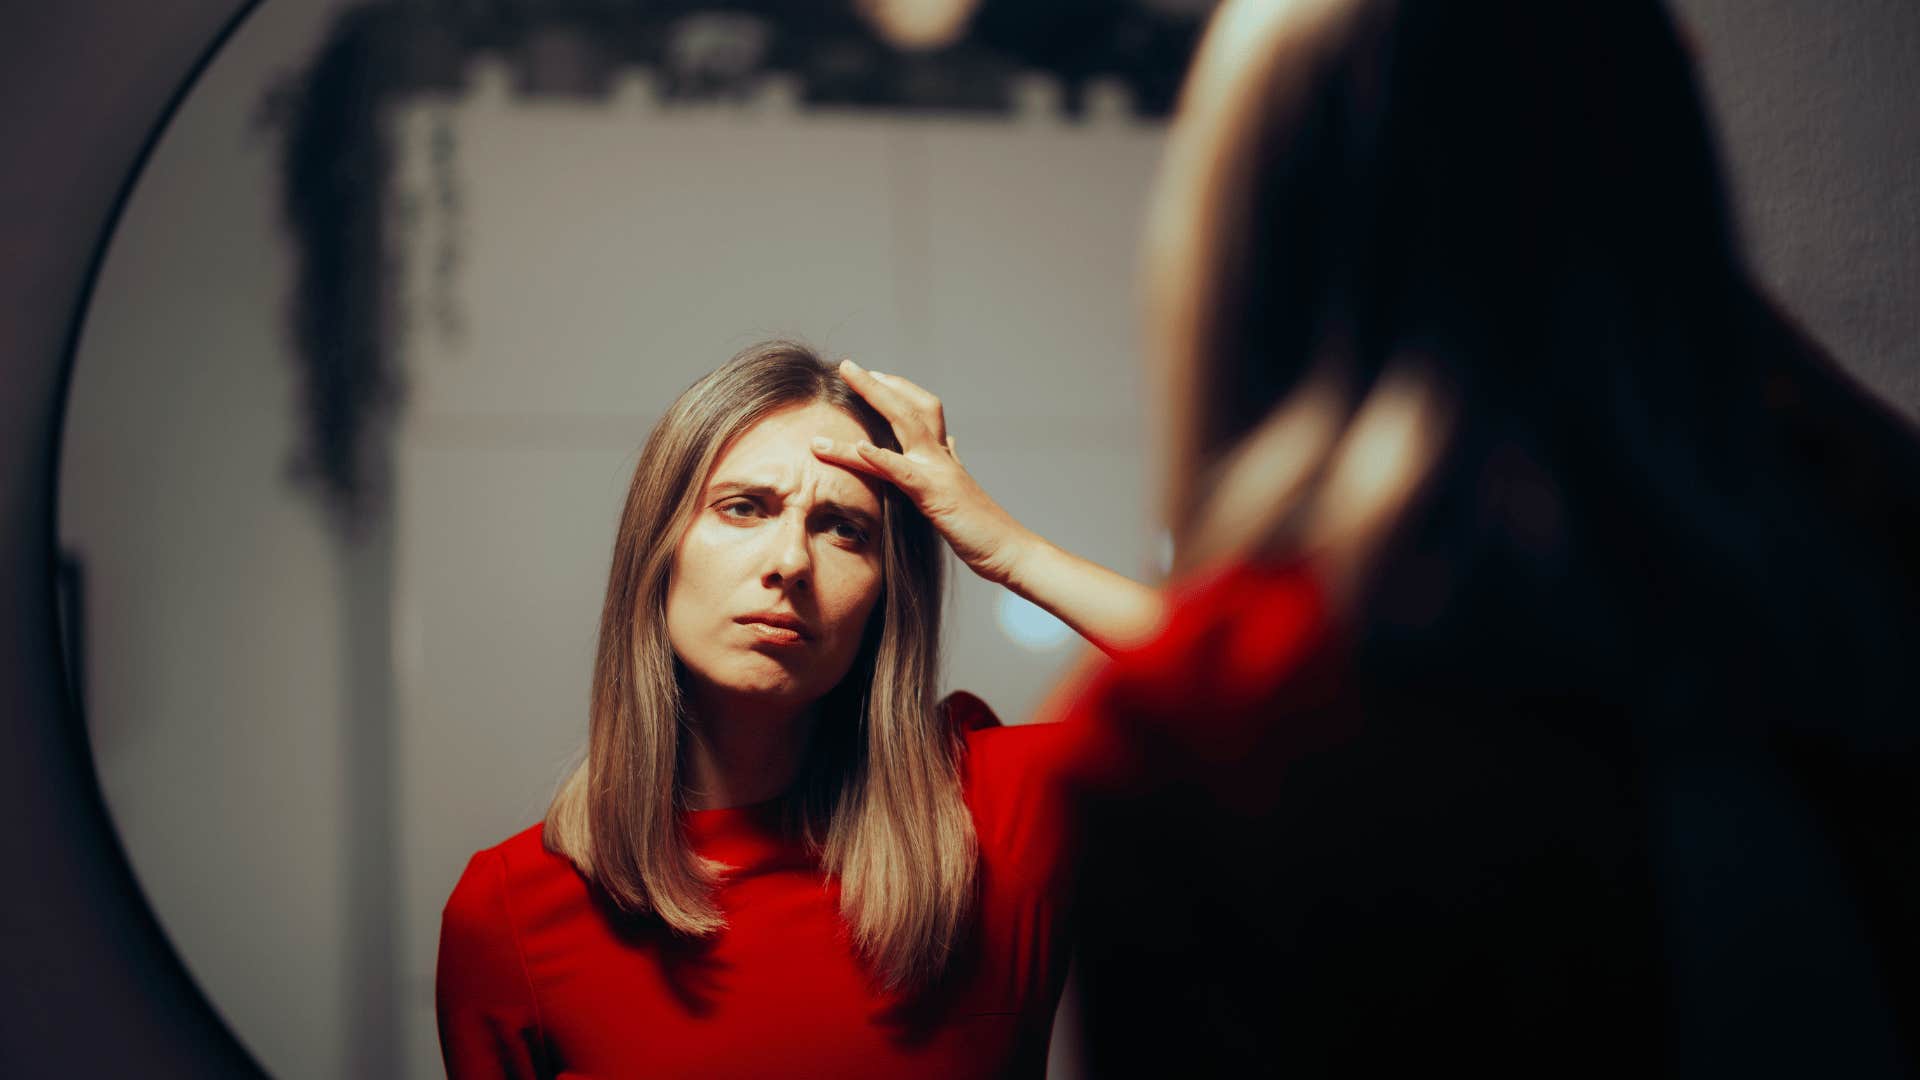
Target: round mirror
(388,316)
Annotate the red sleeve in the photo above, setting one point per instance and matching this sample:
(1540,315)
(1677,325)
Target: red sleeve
(1247,677)
(489,1023)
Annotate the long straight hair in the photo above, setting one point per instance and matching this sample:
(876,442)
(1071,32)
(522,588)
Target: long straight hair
(879,795)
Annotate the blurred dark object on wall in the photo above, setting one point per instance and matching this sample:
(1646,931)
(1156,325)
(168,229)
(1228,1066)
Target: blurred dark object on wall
(337,154)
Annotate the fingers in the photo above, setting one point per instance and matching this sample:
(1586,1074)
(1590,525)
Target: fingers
(881,396)
(922,398)
(895,467)
(842,454)
(864,457)
(911,410)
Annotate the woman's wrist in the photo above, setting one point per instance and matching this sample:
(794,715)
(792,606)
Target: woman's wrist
(1109,609)
(1015,561)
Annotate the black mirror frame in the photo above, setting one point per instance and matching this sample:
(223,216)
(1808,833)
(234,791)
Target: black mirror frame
(91,986)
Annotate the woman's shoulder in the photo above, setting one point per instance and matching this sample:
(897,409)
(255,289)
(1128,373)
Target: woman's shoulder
(518,864)
(1004,766)
(1011,774)
(992,747)
(523,852)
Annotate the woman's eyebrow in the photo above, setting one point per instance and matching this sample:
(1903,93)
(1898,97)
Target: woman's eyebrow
(863,517)
(722,488)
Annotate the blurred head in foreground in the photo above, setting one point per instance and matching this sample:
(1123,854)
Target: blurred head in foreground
(1445,301)
(1451,288)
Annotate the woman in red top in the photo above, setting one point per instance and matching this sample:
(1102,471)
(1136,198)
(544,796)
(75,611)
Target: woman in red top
(1541,699)
(779,858)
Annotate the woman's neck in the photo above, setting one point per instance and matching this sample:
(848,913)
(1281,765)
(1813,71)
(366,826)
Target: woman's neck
(742,752)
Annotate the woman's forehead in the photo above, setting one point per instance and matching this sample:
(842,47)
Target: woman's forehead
(777,451)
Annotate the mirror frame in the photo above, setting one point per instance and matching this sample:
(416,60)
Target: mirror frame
(93,987)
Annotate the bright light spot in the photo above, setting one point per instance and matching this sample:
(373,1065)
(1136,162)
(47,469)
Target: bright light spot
(919,24)
(1029,625)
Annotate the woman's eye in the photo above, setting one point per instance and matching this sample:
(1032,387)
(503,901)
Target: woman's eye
(848,531)
(740,508)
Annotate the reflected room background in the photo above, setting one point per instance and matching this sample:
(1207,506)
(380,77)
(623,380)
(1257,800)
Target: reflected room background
(404,287)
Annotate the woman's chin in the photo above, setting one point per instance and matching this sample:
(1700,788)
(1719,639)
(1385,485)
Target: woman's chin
(768,683)
(770,677)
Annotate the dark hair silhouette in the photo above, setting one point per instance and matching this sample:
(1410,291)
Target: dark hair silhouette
(1645,625)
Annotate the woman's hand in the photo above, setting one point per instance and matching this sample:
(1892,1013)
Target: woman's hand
(1107,609)
(928,471)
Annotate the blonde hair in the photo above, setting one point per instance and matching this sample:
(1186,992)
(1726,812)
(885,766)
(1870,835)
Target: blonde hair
(879,796)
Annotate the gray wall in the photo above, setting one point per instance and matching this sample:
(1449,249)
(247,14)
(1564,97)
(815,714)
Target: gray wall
(1819,109)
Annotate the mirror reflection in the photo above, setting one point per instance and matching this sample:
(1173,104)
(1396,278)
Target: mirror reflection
(372,356)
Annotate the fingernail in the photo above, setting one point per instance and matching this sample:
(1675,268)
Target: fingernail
(863,446)
(848,361)
(821,442)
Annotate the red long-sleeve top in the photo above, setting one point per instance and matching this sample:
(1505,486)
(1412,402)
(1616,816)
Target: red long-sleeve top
(540,976)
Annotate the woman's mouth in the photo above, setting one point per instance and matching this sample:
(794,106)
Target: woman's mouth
(775,628)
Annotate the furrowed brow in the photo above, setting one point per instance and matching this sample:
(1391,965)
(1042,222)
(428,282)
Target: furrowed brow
(728,489)
(725,488)
(864,517)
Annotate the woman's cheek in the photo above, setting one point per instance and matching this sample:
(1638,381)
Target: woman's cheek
(869,591)
(853,589)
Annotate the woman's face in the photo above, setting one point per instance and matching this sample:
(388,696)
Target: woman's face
(776,574)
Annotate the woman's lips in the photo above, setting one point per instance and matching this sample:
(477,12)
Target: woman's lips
(773,632)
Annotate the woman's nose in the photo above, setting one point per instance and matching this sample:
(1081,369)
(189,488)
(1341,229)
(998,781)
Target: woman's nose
(790,561)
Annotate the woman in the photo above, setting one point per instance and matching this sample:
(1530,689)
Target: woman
(779,858)
(1539,698)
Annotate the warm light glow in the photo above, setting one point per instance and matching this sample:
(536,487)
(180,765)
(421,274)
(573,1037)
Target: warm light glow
(1260,480)
(919,24)
(1381,459)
